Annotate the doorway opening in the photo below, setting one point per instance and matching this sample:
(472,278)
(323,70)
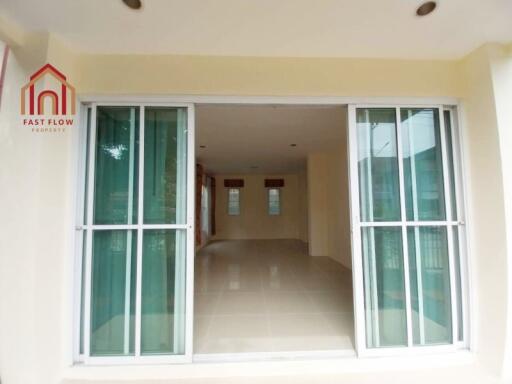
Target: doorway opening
(273,252)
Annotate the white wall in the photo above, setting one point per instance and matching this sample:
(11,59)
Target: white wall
(254,222)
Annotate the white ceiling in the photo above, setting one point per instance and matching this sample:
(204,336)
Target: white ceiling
(238,137)
(302,28)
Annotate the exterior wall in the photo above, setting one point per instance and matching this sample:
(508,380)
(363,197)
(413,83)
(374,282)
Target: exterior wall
(139,74)
(254,222)
(37,173)
(483,171)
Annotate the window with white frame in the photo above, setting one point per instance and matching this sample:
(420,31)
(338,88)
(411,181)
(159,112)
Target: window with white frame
(274,201)
(233,201)
(134,232)
(409,227)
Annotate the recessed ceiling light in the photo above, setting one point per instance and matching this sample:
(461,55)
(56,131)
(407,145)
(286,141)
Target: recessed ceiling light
(133,4)
(202,146)
(293,145)
(426,8)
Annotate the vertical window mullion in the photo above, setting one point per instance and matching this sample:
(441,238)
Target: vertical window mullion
(403,217)
(89,218)
(140,218)
(448,207)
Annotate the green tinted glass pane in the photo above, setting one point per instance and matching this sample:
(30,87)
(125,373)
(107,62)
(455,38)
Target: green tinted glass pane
(458,282)
(82,292)
(86,163)
(163,292)
(113,292)
(384,292)
(116,170)
(451,165)
(165,165)
(378,165)
(430,285)
(423,165)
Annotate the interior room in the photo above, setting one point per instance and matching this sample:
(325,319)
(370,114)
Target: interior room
(273,257)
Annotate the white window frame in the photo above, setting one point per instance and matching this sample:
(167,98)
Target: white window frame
(239,212)
(429,355)
(279,195)
(82,228)
(403,223)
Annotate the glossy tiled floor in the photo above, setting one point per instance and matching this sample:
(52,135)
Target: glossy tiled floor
(269,295)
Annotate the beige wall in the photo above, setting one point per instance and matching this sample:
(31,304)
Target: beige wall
(318,225)
(338,213)
(303,205)
(328,205)
(254,222)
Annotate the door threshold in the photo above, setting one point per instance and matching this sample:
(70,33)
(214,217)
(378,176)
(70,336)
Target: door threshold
(272,356)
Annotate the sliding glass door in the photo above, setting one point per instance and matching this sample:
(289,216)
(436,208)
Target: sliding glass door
(137,233)
(407,225)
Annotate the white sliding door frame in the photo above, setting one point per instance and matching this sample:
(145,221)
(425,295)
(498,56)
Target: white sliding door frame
(451,225)
(92,101)
(87,228)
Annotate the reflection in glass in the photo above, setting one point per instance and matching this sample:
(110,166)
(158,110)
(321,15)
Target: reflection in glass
(423,164)
(451,165)
(458,282)
(113,292)
(378,165)
(163,292)
(430,285)
(116,170)
(165,160)
(384,289)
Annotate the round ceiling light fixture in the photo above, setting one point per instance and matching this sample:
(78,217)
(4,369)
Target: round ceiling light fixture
(133,4)
(426,8)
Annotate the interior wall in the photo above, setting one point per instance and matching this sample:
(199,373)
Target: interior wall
(338,208)
(318,226)
(303,205)
(254,222)
(328,205)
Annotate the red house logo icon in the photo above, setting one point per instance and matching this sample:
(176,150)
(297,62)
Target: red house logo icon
(59,99)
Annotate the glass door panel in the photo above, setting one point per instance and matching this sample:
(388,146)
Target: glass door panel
(422,164)
(113,293)
(165,165)
(430,285)
(406,254)
(384,289)
(139,233)
(378,165)
(163,292)
(116,169)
